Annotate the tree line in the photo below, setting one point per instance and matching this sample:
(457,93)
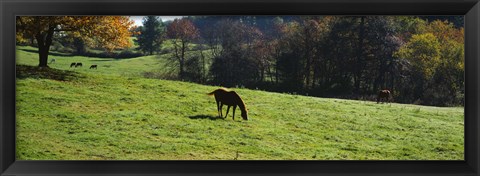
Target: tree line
(419,58)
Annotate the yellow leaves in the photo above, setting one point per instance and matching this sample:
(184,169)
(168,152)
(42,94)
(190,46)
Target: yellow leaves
(423,52)
(109,32)
(20,38)
(438,43)
(445,31)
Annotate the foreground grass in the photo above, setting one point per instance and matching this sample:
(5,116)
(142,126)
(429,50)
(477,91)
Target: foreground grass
(114,114)
(111,117)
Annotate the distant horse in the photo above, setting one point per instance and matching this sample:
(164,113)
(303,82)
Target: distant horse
(93,66)
(73,64)
(52,61)
(79,64)
(229,98)
(385,95)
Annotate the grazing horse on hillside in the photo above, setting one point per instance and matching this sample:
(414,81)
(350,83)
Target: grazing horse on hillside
(229,98)
(93,66)
(385,95)
(52,61)
(72,64)
(79,64)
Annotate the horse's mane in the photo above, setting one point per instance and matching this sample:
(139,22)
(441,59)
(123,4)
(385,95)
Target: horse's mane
(219,89)
(241,100)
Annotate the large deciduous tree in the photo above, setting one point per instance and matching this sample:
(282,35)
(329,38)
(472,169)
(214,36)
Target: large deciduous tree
(109,32)
(182,32)
(436,54)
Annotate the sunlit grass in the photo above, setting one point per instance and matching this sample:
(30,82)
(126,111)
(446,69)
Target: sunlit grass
(113,113)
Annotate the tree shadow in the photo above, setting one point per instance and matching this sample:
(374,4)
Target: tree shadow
(52,53)
(103,60)
(205,117)
(27,71)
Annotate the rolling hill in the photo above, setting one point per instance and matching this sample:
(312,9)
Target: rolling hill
(115,113)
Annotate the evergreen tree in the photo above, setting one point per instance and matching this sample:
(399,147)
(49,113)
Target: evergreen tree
(151,35)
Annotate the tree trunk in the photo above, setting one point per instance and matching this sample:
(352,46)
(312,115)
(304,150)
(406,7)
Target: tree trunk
(80,46)
(44,41)
(182,58)
(43,56)
(203,67)
(181,74)
(307,66)
(359,55)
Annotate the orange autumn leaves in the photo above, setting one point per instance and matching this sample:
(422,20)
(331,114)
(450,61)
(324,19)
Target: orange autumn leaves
(108,32)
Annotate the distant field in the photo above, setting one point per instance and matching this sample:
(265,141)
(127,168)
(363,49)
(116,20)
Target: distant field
(109,66)
(114,113)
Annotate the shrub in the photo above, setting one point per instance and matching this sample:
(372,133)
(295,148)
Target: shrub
(128,54)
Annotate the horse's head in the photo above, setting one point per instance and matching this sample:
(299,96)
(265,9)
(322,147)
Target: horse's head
(244,115)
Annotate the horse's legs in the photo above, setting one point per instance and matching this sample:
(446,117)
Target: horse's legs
(234,107)
(218,109)
(228,108)
(221,107)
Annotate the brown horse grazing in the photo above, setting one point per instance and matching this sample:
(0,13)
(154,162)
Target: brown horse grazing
(385,95)
(229,98)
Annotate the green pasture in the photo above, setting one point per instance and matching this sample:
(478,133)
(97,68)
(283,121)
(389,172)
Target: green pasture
(115,113)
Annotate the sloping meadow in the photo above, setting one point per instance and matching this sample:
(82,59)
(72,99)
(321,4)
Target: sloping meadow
(110,117)
(115,115)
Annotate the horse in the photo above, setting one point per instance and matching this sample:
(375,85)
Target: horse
(79,64)
(52,61)
(229,98)
(93,66)
(385,95)
(73,64)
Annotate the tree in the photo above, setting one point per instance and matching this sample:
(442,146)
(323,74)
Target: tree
(151,35)
(109,32)
(182,32)
(236,63)
(448,80)
(423,51)
(299,55)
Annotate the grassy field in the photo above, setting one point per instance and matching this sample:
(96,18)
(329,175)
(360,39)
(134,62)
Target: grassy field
(113,113)
(106,66)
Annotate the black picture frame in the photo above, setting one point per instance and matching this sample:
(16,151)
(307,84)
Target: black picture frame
(11,8)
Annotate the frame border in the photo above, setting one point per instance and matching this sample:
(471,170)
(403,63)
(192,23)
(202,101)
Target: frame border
(10,8)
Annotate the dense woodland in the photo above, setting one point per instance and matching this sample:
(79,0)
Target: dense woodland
(420,59)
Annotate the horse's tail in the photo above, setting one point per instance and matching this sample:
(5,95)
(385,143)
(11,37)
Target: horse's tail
(211,93)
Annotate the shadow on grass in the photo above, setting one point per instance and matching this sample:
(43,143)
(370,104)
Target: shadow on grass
(50,53)
(26,71)
(103,60)
(205,117)
(122,55)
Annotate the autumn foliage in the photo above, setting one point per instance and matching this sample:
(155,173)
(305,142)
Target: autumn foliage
(108,32)
(420,59)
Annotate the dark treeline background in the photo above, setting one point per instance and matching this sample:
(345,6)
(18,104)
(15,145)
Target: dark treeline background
(420,59)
